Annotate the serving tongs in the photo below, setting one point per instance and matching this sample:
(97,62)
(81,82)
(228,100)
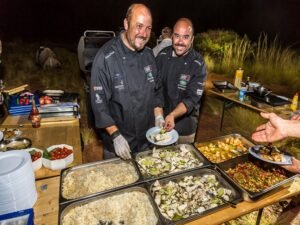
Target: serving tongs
(232,204)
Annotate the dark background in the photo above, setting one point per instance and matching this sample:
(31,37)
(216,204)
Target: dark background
(65,20)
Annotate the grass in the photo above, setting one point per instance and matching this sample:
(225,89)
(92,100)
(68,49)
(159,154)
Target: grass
(272,62)
(235,54)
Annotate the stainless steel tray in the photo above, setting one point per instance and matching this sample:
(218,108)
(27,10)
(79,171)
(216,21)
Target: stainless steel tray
(15,144)
(224,86)
(249,195)
(204,162)
(64,209)
(87,167)
(210,170)
(245,141)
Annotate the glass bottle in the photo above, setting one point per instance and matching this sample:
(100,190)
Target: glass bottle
(34,115)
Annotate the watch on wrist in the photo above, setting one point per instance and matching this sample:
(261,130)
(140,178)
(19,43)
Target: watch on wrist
(115,134)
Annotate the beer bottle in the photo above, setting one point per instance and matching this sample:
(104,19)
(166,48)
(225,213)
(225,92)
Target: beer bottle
(34,115)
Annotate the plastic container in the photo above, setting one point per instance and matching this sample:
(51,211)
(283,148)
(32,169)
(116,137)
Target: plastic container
(58,164)
(37,164)
(238,78)
(294,104)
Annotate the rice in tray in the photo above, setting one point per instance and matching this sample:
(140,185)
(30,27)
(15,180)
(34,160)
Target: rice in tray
(132,208)
(82,182)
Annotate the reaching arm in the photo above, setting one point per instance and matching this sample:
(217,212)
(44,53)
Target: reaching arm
(276,129)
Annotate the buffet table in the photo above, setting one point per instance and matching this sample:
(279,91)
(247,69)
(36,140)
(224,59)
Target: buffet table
(46,207)
(53,131)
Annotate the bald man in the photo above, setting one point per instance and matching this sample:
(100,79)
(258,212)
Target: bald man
(183,74)
(125,86)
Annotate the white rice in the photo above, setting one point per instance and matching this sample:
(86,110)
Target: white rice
(131,208)
(82,182)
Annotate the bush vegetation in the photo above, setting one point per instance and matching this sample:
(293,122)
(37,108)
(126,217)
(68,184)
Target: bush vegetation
(266,60)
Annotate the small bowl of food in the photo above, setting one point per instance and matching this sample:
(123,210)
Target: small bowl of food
(58,157)
(36,157)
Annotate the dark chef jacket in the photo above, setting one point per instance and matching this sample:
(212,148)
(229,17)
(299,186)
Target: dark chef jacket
(124,92)
(183,79)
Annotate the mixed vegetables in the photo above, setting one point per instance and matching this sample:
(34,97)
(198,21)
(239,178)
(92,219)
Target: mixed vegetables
(254,178)
(221,151)
(168,160)
(188,196)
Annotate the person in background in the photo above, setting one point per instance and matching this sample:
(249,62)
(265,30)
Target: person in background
(165,37)
(183,75)
(277,129)
(125,86)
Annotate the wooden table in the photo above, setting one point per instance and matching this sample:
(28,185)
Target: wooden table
(46,207)
(50,133)
(232,97)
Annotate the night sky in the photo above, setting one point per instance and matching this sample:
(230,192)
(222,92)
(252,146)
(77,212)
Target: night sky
(65,20)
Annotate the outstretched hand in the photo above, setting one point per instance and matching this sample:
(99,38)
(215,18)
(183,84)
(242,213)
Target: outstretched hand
(273,130)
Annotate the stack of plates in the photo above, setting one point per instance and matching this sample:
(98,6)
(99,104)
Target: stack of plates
(17,183)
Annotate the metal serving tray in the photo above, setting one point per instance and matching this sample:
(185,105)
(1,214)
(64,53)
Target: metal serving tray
(64,209)
(245,141)
(65,172)
(249,195)
(190,147)
(15,144)
(210,170)
(224,86)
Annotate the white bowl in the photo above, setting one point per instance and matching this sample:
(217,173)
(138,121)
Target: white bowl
(37,164)
(58,164)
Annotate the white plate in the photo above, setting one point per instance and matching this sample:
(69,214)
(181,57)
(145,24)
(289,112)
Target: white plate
(155,130)
(286,159)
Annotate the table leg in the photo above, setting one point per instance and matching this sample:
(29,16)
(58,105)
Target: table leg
(226,105)
(260,211)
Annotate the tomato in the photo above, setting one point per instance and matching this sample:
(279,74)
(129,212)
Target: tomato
(35,155)
(60,153)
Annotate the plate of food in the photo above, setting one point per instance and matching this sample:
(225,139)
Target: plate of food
(270,154)
(11,133)
(159,136)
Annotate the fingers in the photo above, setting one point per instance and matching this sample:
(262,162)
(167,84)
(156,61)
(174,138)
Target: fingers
(261,127)
(296,117)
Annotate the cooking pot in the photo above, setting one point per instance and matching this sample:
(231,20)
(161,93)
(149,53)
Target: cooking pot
(261,91)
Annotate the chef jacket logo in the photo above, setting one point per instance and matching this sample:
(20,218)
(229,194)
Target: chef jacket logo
(118,81)
(98,99)
(98,88)
(148,72)
(199,92)
(183,81)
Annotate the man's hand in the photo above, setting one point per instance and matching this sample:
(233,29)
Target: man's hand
(275,129)
(121,146)
(159,121)
(170,122)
